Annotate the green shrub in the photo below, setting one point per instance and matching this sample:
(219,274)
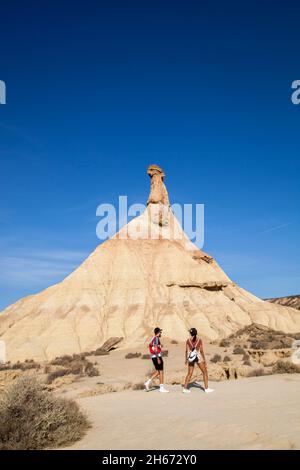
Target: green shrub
(33,418)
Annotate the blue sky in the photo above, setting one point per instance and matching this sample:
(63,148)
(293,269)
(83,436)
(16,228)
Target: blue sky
(96,91)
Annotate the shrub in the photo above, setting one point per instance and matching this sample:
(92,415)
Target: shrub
(165,353)
(224,343)
(91,370)
(80,366)
(132,355)
(256,344)
(66,359)
(285,367)
(238,350)
(227,359)
(246,357)
(216,358)
(47,369)
(146,356)
(55,374)
(247,362)
(174,341)
(28,364)
(32,418)
(138,386)
(257,373)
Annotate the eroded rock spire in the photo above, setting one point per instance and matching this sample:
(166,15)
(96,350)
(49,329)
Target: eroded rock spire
(158,190)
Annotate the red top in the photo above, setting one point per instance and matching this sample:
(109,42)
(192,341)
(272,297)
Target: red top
(155,346)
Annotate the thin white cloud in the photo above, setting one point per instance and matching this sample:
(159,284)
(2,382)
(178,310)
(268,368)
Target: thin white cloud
(277,227)
(38,268)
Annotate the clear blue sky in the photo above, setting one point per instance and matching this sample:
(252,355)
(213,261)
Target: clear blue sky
(97,90)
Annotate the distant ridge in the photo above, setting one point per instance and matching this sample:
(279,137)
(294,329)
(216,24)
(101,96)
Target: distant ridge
(288,301)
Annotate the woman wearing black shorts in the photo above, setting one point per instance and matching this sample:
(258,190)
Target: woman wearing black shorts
(194,354)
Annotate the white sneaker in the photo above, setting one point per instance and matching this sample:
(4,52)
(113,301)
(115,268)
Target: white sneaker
(208,390)
(163,390)
(186,390)
(147,385)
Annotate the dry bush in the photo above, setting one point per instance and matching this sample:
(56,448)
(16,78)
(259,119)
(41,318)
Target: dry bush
(257,344)
(165,353)
(32,418)
(138,386)
(146,356)
(285,367)
(224,343)
(216,358)
(226,359)
(174,341)
(28,364)
(272,342)
(238,350)
(246,357)
(247,362)
(76,365)
(55,374)
(132,355)
(257,373)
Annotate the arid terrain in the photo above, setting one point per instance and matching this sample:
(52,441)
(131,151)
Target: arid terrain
(289,301)
(252,413)
(256,387)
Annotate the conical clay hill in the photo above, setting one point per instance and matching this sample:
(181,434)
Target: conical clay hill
(148,274)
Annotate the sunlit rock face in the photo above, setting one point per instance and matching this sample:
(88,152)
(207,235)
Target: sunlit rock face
(147,274)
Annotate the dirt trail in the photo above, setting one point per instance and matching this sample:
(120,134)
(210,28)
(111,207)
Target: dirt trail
(253,413)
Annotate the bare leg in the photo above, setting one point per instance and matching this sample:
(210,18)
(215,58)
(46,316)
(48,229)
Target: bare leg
(161,377)
(154,375)
(203,369)
(189,375)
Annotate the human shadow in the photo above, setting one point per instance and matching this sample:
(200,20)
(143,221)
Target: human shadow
(196,385)
(153,388)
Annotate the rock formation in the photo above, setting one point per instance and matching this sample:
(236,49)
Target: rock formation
(289,301)
(147,274)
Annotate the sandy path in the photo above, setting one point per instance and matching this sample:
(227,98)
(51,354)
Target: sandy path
(253,413)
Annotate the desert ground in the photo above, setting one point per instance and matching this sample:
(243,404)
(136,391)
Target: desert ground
(244,412)
(252,413)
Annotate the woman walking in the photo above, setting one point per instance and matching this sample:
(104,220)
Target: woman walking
(194,354)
